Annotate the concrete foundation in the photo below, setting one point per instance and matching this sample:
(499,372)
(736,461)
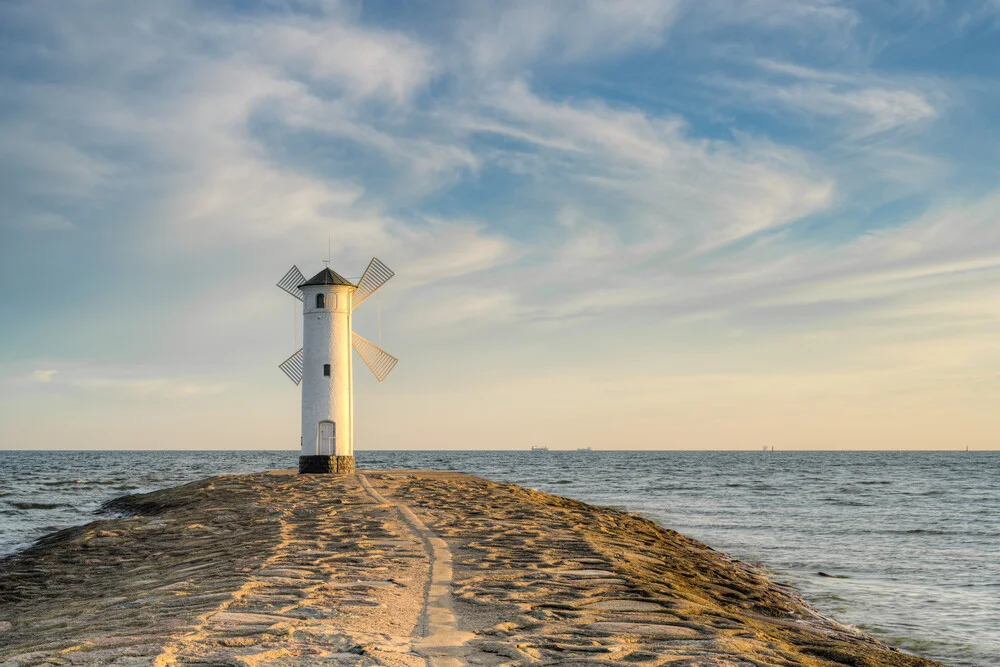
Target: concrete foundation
(312,465)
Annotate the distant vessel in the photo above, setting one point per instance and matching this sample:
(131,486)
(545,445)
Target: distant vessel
(540,449)
(584,449)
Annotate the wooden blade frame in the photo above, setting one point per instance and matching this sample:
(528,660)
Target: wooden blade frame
(379,361)
(291,281)
(293,367)
(376,275)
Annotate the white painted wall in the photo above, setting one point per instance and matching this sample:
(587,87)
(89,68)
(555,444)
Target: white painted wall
(326,339)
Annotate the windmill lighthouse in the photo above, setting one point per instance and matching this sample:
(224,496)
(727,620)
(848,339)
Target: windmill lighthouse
(323,365)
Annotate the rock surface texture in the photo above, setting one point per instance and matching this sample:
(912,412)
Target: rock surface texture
(398,568)
(326,464)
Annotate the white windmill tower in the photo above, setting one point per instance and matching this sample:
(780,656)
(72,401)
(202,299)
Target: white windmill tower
(323,365)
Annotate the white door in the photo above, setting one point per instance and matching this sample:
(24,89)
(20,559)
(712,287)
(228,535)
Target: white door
(327,438)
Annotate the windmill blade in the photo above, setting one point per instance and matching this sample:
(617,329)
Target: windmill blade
(379,361)
(293,367)
(291,281)
(376,275)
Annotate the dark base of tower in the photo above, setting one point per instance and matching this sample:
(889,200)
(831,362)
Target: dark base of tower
(319,465)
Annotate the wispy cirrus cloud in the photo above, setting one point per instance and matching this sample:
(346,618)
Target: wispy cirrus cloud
(43,375)
(858,105)
(73,377)
(507,37)
(628,188)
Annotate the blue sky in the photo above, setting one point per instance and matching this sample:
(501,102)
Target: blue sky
(674,224)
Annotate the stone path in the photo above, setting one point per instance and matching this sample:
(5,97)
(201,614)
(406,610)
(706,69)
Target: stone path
(399,569)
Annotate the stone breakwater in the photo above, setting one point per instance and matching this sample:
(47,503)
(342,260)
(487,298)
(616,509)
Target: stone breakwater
(398,568)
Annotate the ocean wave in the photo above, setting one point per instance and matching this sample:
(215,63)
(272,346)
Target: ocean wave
(39,506)
(844,503)
(84,482)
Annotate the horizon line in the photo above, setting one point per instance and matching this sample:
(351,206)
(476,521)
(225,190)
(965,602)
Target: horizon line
(526,451)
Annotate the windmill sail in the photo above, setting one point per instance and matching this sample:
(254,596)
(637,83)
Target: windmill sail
(379,361)
(291,281)
(293,367)
(376,275)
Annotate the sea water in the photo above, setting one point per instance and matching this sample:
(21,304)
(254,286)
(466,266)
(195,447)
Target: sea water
(911,539)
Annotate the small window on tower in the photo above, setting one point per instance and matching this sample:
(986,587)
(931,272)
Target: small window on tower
(320,301)
(326,370)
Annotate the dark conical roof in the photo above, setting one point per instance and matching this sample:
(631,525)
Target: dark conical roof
(327,277)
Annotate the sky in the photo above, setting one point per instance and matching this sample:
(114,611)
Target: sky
(673,224)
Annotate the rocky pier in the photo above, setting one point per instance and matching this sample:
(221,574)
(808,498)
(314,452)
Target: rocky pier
(398,568)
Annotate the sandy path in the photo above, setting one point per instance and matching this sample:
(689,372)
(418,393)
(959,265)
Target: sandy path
(441,642)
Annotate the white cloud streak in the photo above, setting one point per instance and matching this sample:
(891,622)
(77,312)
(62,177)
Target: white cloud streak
(507,37)
(43,375)
(120,381)
(861,105)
